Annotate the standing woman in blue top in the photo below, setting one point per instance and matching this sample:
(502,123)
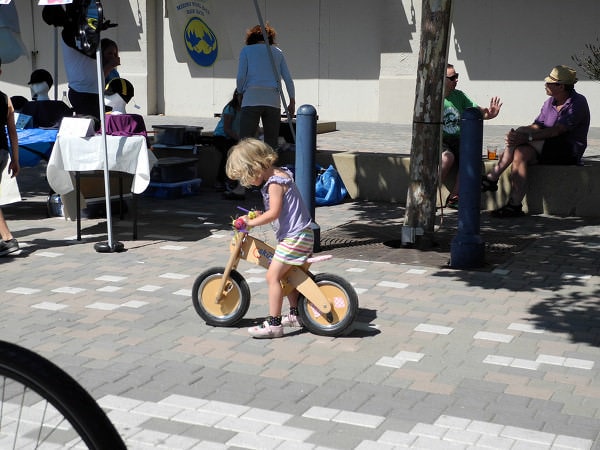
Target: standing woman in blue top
(259,86)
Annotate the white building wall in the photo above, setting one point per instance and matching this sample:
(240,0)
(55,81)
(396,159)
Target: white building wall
(354,60)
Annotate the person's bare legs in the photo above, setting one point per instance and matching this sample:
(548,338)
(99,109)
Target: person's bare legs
(524,156)
(275,272)
(505,160)
(272,327)
(447,163)
(4,231)
(293,298)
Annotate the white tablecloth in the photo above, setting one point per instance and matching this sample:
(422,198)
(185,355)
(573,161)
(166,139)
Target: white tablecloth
(78,154)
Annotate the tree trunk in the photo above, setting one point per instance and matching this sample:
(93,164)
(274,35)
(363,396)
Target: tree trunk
(427,130)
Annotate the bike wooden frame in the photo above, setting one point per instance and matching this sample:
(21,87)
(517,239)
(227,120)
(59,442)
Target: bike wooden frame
(253,250)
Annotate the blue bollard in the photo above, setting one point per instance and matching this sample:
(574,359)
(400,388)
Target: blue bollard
(306,148)
(467,250)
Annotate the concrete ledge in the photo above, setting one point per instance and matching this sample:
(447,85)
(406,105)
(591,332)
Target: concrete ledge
(383,177)
(554,190)
(326,127)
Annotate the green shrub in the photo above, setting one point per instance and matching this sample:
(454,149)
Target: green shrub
(589,61)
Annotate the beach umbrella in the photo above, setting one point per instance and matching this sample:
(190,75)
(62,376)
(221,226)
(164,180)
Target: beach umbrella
(11,45)
(87,40)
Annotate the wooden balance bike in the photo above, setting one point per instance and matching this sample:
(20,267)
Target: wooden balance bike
(327,303)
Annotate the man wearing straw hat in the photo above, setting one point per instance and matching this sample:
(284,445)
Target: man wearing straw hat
(558,136)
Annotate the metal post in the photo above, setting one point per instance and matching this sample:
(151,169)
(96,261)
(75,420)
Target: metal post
(467,250)
(110,245)
(306,148)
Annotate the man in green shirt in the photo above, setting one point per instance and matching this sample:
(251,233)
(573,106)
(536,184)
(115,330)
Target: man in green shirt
(455,102)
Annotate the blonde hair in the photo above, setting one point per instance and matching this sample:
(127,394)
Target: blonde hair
(248,159)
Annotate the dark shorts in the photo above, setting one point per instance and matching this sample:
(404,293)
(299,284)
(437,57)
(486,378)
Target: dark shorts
(557,151)
(452,145)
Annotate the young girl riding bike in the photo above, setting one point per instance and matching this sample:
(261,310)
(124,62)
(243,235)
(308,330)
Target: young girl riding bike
(251,162)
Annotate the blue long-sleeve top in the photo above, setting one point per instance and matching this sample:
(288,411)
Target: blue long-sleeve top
(255,78)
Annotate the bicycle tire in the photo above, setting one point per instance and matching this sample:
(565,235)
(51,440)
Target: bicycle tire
(25,373)
(344,306)
(232,308)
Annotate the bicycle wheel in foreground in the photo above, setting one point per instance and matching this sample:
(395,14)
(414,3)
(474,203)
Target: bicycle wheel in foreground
(43,407)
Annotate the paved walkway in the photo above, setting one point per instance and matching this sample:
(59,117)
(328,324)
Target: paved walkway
(506,357)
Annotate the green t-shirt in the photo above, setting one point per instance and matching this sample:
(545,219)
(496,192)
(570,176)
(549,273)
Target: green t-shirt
(454,105)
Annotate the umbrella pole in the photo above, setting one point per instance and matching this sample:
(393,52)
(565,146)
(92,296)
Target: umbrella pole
(274,67)
(109,246)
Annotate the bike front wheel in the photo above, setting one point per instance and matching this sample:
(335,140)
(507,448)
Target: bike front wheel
(43,407)
(234,302)
(344,306)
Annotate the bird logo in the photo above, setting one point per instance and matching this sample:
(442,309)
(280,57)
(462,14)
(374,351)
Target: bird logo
(201,42)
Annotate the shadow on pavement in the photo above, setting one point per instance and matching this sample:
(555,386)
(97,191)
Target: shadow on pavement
(528,254)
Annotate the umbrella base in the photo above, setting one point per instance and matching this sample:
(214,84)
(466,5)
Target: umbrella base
(105,247)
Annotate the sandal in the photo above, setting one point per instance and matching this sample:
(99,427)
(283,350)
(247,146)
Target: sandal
(508,210)
(488,185)
(452,201)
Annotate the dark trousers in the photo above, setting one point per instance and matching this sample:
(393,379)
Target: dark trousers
(270,117)
(84,103)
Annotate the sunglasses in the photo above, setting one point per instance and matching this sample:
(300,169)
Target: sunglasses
(453,77)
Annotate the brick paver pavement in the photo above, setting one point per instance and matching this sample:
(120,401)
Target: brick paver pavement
(505,357)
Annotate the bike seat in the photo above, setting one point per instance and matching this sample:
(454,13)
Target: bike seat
(314,259)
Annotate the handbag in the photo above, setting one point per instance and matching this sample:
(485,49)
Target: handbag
(329,187)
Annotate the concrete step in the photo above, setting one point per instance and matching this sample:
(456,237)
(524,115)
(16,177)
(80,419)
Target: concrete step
(554,190)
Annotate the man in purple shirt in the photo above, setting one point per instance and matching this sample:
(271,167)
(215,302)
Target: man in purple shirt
(557,136)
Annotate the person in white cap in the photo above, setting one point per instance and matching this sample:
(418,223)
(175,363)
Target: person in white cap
(558,136)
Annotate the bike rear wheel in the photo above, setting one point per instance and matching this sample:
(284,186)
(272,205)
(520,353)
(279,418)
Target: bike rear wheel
(344,306)
(44,407)
(231,308)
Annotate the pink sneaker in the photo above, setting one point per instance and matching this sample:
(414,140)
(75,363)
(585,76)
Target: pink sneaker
(291,320)
(266,331)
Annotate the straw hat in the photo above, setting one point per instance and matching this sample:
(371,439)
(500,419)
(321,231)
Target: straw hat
(561,75)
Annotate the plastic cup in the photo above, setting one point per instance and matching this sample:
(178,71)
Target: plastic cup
(492,152)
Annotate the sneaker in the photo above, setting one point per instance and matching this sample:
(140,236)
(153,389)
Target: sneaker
(291,320)
(452,201)
(508,210)
(266,331)
(9,246)
(488,185)
(220,186)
